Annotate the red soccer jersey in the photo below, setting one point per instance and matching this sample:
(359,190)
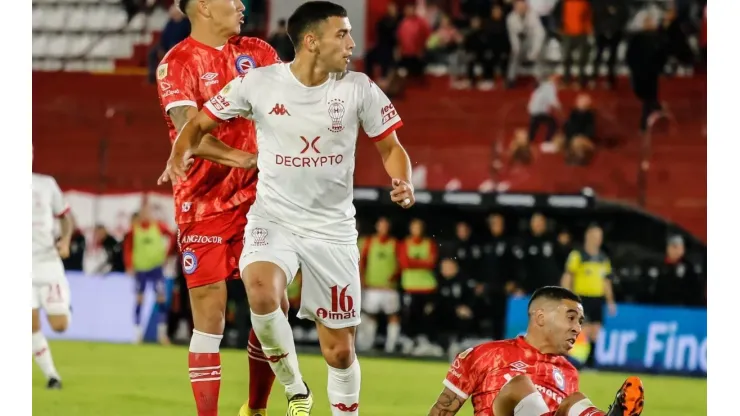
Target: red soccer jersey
(481,372)
(189,74)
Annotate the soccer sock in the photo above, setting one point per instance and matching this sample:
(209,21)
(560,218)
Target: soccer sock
(42,355)
(584,408)
(276,337)
(137,314)
(261,376)
(344,390)
(391,337)
(366,333)
(204,361)
(161,313)
(532,405)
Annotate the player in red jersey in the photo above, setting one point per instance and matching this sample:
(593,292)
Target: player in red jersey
(211,205)
(529,375)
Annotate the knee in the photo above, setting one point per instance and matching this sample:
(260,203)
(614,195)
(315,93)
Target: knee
(264,292)
(58,323)
(339,354)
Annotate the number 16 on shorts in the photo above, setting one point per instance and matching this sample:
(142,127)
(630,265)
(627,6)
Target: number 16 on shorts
(342,306)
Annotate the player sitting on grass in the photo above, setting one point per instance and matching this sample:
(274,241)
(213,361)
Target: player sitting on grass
(529,375)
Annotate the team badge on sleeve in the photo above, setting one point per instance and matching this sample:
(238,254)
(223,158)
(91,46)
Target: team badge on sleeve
(162,71)
(244,63)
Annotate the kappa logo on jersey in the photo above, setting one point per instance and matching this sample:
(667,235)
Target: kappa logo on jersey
(312,145)
(336,113)
(559,378)
(279,110)
(260,236)
(162,71)
(244,63)
(210,78)
(342,305)
(189,261)
(388,113)
(518,366)
(165,86)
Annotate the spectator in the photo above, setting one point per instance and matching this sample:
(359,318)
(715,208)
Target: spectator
(588,273)
(102,254)
(112,247)
(542,103)
(477,51)
(519,149)
(579,131)
(544,9)
(538,265)
(76,252)
(497,272)
(443,44)
(413,33)
(678,51)
(464,250)
(174,32)
(527,38)
(417,257)
(381,55)
(646,57)
(498,41)
(610,20)
(677,282)
(564,246)
(281,42)
(454,305)
(576,28)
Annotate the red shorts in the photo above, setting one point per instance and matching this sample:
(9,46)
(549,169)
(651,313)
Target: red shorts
(211,248)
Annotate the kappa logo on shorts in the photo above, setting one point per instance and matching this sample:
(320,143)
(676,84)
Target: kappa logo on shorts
(259,235)
(189,262)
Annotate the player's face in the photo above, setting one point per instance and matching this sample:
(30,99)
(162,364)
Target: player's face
(594,237)
(564,325)
(416,228)
(383,227)
(227,15)
(335,44)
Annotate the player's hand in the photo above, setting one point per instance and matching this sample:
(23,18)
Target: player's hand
(464,312)
(176,169)
(63,248)
(402,193)
(612,307)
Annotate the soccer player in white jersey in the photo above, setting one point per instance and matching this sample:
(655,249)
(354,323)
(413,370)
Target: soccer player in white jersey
(50,288)
(307,114)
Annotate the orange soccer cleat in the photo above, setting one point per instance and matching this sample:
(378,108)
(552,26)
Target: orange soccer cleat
(630,399)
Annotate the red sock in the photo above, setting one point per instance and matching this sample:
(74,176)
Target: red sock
(261,376)
(205,375)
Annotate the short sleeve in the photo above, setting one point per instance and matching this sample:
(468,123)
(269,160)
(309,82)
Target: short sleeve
(175,85)
(233,100)
(58,205)
(608,271)
(267,54)
(463,376)
(378,116)
(573,262)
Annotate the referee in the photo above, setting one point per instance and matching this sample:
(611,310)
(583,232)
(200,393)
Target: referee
(588,273)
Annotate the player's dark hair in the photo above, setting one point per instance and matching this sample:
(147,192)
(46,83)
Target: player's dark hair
(309,14)
(183,5)
(553,293)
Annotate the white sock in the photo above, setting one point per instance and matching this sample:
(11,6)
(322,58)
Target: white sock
(204,343)
(391,337)
(276,337)
(581,407)
(366,333)
(532,405)
(42,355)
(344,390)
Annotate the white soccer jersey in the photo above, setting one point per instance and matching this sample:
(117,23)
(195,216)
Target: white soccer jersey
(48,205)
(306,137)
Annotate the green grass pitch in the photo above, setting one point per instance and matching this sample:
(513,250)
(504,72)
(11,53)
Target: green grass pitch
(124,380)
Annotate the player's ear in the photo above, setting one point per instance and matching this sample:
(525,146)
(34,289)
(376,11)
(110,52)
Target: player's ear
(539,317)
(311,41)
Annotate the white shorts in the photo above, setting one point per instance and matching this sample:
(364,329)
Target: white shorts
(377,301)
(330,291)
(50,289)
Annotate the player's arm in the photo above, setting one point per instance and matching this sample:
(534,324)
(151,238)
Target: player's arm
(609,289)
(64,215)
(398,166)
(571,267)
(448,403)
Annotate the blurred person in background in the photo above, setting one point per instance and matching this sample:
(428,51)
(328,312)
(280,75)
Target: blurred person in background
(280,41)
(464,249)
(497,272)
(580,129)
(498,42)
(417,256)
(588,273)
(527,39)
(577,28)
(174,32)
(412,35)
(111,248)
(610,21)
(381,56)
(679,55)
(49,286)
(76,251)
(536,254)
(541,107)
(677,282)
(454,306)
(476,45)
(545,10)
(646,58)
(519,150)
(145,250)
(442,47)
(379,273)
(564,246)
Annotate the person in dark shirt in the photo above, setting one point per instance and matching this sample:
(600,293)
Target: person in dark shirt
(538,265)
(281,42)
(579,131)
(610,19)
(112,247)
(646,58)
(454,305)
(174,32)
(497,272)
(381,55)
(498,40)
(677,282)
(76,252)
(466,251)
